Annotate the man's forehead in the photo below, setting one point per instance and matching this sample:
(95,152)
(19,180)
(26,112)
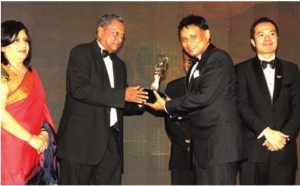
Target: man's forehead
(265,25)
(113,26)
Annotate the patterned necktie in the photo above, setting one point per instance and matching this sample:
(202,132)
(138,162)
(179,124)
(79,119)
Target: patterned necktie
(264,64)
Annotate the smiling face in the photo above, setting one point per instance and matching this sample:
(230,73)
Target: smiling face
(111,36)
(194,40)
(265,39)
(18,50)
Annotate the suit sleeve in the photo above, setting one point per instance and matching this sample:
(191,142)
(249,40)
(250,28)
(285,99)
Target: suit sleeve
(292,126)
(80,63)
(249,117)
(216,75)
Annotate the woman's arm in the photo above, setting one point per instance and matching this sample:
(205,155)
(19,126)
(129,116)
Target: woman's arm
(9,124)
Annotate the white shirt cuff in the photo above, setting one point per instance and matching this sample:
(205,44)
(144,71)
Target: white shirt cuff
(261,134)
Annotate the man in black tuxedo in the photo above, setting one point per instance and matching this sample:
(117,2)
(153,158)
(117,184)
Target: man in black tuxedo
(90,134)
(210,103)
(179,132)
(268,94)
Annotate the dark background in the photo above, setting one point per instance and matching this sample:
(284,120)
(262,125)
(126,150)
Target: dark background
(151,29)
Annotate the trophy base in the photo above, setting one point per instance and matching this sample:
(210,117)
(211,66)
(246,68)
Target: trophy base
(152,98)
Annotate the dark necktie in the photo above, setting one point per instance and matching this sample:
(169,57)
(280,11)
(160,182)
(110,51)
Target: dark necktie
(105,53)
(265,63)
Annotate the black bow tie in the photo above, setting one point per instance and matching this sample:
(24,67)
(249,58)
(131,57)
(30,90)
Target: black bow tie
(194,60)
(105,53)
(265,63)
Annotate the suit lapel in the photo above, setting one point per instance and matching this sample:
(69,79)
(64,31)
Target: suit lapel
(100,65)
(187,83)
(260,78)
(190,80)
(278,79)
(205,55)
(202,61)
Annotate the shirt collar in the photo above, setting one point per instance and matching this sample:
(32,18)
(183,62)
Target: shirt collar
(99,44)
(264,59)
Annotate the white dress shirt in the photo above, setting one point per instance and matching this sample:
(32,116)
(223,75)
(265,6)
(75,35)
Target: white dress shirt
(193,70)
(270,78)
(109,67)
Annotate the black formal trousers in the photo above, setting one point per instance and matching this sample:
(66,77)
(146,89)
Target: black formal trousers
(107,172)
(224,174)
(182,176)
(267,173)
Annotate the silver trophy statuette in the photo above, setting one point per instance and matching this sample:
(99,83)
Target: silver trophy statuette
(159,74)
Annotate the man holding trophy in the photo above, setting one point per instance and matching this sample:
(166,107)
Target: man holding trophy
(210,103)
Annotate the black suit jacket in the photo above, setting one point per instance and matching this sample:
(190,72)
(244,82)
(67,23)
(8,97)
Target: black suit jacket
(84,127)
(211,103)
(258,111)
(178,130)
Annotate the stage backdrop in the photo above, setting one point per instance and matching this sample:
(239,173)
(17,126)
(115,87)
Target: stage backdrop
(151,29)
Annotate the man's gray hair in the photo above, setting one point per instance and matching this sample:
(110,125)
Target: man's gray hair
(107,18)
